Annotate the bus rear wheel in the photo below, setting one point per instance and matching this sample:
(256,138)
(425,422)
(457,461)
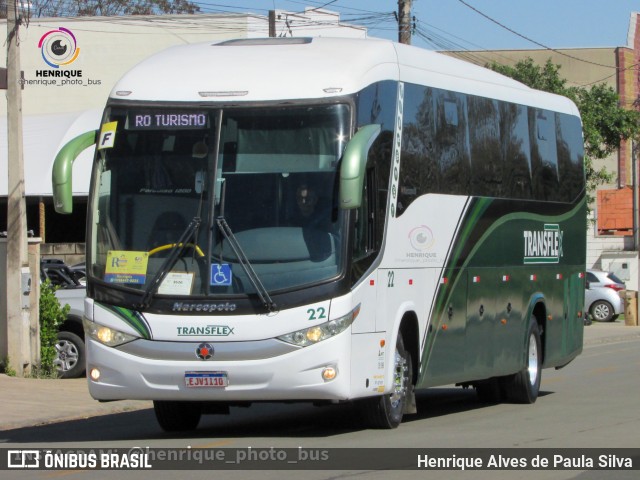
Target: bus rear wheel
(524,386)
(386,411)
(175,416)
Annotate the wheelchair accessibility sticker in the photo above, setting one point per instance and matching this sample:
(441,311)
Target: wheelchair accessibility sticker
(221,275)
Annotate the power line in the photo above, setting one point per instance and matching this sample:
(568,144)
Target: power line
(366,18)
(559,52)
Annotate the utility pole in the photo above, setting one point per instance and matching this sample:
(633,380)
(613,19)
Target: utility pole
(272,23)
(18,310)
(404,21)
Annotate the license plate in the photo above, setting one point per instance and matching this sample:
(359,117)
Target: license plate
(206,379)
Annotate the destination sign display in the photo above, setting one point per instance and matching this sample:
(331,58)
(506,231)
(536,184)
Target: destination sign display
(167,120)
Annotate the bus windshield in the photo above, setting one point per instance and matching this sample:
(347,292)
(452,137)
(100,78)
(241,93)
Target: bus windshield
(168,178)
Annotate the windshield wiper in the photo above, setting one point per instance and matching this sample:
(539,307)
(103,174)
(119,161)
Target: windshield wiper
(226,231)
(162,272)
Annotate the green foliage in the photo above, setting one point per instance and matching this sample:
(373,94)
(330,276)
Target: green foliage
(90,8)
(52,314)
(6,368)
(605,122)
(545,78)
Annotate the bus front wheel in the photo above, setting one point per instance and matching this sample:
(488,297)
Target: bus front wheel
(524,386)
(175,416)
(386,411)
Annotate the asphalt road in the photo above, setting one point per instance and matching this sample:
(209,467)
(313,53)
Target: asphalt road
(592,403)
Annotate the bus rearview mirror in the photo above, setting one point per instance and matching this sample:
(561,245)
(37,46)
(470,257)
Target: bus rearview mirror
(62,170)
(353,168)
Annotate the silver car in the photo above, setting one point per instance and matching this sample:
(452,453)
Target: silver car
(70,355)
(604,296)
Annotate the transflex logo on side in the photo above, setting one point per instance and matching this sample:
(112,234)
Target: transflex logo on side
(543,246)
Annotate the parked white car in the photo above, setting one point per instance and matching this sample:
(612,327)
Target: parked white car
(604,296)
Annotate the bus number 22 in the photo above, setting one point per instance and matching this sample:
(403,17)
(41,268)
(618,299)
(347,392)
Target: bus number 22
(390,279)
(317,313)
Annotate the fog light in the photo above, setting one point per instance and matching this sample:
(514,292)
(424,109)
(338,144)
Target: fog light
(329,373)
(95,374)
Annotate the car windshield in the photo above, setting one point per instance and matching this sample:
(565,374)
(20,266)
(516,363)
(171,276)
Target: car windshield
(166,178)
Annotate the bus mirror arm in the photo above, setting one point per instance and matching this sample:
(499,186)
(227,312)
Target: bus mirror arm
(61,175)
(353,168)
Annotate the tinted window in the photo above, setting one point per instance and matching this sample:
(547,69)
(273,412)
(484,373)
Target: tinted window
(487,163)
(570,156)
(464,144)
(516,150)
(613,277)
(544,156)
(419,168)
(375,105)
(452,142)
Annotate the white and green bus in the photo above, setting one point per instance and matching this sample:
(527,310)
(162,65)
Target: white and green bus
(328,220)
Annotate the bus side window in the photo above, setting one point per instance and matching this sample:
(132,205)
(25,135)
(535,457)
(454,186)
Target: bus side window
(570,155)
(514,134)
(419,165)
(544,155)
(363,238)
(452,141)
(487,165)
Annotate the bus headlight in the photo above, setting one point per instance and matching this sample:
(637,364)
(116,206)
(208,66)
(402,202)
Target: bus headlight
(318,333)
(105,335)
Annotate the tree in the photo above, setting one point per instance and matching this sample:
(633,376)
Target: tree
(605,122)
(83,8)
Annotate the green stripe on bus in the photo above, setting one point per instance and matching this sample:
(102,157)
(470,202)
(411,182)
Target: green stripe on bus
(133,318)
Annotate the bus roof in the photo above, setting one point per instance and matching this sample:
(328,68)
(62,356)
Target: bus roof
(284,69)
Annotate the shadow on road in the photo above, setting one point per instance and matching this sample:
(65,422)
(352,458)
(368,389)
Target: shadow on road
(259,420)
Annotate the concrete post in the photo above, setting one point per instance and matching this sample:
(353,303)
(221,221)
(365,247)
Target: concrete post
(18,309)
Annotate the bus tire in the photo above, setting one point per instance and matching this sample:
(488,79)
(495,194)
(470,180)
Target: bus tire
(386,411)
(524,386)
(174,416)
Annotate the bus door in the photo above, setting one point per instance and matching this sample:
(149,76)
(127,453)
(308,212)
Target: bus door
(445,341)
(510,324)
(480,328)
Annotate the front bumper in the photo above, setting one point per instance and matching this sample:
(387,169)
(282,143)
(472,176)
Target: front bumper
(295,375)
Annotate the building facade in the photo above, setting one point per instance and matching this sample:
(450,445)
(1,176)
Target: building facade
(64,95)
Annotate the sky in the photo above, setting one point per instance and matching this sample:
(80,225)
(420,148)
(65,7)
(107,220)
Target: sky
(452,25)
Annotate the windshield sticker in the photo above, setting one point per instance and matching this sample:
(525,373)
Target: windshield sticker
(221,275)
(126,267)
(107,135)
(176,283)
